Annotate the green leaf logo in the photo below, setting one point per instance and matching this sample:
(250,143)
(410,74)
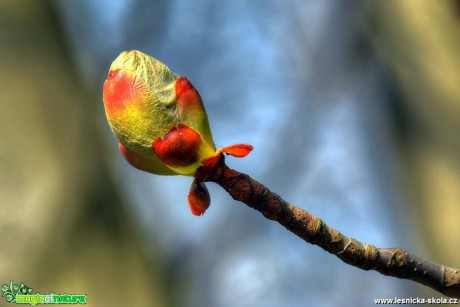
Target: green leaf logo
(10,291)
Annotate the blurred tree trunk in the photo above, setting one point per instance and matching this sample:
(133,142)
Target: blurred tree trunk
(420,42)
(64,227)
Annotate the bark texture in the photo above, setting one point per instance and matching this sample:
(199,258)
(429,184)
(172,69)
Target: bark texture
(387,261)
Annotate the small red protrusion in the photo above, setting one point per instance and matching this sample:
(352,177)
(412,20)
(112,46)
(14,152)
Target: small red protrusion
(132,157)
(183,86)
(207,165)
(188,97)
(123,150)
(198,198)
(238,150)
(179,147)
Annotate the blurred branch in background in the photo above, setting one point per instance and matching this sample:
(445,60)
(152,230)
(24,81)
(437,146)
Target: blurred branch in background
(64,226)
(420,43)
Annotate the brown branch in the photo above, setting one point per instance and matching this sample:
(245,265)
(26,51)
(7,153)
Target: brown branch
(388,261)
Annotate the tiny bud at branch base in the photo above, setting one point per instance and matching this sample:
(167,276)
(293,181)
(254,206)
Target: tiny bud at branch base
(199,198)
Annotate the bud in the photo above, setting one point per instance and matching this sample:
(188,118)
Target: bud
(199,198)
(161,123)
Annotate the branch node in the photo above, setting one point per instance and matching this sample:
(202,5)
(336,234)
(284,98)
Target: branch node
(272,209)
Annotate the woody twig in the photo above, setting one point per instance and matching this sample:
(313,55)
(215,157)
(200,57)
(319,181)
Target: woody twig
(388,261)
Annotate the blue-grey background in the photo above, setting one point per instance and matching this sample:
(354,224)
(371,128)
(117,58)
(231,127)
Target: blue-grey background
(306,84)
(293,80)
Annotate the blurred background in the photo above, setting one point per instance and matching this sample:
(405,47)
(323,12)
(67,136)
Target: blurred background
(353,109)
